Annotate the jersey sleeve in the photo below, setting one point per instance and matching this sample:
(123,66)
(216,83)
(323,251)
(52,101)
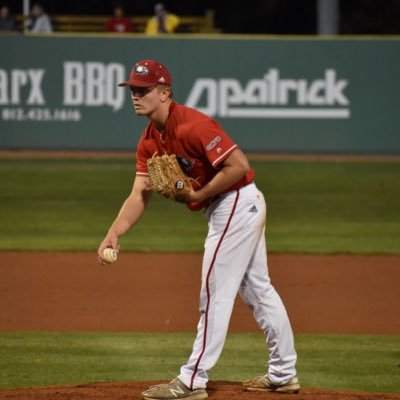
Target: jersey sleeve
(212,141)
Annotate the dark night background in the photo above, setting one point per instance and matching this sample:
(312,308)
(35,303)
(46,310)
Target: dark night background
(254,16)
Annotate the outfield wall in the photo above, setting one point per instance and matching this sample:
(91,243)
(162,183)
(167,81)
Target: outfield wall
(274,95)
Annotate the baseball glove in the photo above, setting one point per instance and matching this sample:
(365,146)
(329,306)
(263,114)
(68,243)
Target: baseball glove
(167,178)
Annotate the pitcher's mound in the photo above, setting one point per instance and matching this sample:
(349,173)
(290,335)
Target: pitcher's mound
(216,390)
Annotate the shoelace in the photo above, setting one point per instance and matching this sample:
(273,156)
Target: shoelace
(162,386)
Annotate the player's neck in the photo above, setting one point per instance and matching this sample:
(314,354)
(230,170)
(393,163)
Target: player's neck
(159,117)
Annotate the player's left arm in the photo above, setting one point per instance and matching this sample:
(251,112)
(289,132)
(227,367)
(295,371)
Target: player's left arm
(234,167)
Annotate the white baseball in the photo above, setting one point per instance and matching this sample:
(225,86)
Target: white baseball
(110,255)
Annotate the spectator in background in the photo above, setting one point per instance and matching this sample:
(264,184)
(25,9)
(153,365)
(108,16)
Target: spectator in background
(7,23)
(162,21)
(119,22)
(39,21)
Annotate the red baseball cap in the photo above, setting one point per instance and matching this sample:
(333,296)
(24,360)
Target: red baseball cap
(148,73)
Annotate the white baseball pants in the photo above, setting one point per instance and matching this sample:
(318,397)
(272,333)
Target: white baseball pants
(235,261)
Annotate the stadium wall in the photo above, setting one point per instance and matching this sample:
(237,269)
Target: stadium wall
(274,95)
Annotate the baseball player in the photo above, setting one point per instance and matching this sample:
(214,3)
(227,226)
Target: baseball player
(235,251)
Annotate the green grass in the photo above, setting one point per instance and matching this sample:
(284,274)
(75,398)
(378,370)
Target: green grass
(316,207)
(348,362)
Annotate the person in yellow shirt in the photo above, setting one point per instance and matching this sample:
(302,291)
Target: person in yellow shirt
(162,21)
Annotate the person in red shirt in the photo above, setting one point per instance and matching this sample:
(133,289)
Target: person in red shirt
(119,23)
(235,251)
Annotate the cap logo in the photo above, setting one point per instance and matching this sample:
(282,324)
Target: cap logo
(141,70)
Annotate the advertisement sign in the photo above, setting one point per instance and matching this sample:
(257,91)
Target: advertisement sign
(325,96)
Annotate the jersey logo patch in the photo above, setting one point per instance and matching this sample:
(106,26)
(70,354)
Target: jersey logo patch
(253,209)
(213,143)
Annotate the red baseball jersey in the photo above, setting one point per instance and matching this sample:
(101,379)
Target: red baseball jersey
(198,140)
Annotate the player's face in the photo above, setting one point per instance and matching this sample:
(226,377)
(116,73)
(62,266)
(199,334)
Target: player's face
(145,100)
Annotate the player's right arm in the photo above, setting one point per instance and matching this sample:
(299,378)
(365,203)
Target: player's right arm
(129,214)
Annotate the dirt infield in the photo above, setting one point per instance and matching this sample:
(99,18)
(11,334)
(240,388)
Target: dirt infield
(159,292)
(216,391)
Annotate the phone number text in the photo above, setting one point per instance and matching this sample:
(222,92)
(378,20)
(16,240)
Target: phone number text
(41,114)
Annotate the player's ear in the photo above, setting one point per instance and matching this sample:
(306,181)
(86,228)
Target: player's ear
(165,92)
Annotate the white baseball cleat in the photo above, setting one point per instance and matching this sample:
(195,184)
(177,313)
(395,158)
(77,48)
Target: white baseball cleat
(173,390)
(264,384)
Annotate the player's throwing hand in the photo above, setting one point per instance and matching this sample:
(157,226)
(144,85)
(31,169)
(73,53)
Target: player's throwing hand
(110,241)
